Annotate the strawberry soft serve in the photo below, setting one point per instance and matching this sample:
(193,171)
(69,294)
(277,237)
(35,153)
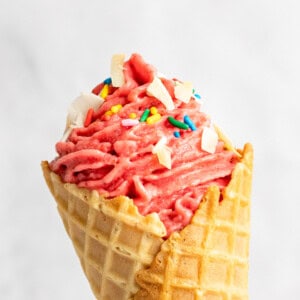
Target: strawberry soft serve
(116,156)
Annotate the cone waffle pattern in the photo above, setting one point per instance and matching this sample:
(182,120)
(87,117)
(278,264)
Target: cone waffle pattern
(208,259)
(112,240)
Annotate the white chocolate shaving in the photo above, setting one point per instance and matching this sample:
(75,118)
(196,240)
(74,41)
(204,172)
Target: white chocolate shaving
(209,140)
(184,91)
(116,70)
(157,90)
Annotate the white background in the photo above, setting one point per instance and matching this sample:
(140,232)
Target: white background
(244,59)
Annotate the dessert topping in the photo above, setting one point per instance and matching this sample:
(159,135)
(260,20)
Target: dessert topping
(129,122)
(209,140)
(177,134)
(153,119)
(89,117)
(116,108)
(187,120)
(104,92)
(116,70)
(145,115)
(132,115)
(153,110)
(163,153)
(177,123)
(157,90)
(183,91)
(107,81)
(79,108)
(227,143)
(196,96)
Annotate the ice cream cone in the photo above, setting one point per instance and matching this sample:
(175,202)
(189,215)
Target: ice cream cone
(208,259)
(141,135)
(112,240)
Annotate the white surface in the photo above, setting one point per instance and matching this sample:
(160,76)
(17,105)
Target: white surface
(242,55)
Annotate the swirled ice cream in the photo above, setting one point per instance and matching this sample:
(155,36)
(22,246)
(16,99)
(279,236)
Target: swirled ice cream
(144,136)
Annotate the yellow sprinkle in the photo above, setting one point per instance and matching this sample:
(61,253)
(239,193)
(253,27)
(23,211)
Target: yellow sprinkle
(104,92)
(116,108)
(132,115)
(153,119)
(109,113)
(153,110)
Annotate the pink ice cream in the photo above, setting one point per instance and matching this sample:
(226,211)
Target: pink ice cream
(113,152)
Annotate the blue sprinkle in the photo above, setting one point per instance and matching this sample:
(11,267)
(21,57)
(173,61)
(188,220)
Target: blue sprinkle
(197,96)
(189,122)
(177,134)
(107,81)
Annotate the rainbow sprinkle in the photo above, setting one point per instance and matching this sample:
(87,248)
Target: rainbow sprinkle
(153,119)
(129,122)
(89,117)
(153,110)
(104,92)
(145,115)
(177,123)
(176,134)
(107,80)
(108,113)
(116,108)
(132,115)
(189,122)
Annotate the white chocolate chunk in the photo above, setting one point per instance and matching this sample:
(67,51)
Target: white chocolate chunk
(184,91)
(209,140)
(116,70)
(157,90)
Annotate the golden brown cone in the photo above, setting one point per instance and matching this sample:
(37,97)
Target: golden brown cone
(112,240)
(208,259)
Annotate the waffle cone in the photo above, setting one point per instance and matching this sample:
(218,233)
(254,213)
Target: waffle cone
(124,256)
(112,240)
(208,259)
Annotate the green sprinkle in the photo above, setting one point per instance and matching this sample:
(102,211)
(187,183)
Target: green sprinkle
(177,123)
(145,115)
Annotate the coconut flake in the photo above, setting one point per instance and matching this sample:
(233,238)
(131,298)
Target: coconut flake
(209,140)
(184,91)
(161,143)
(116,70)
(79,108)
(163,153)
(157,90)
(164,157)
(66,134)
(227,143)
